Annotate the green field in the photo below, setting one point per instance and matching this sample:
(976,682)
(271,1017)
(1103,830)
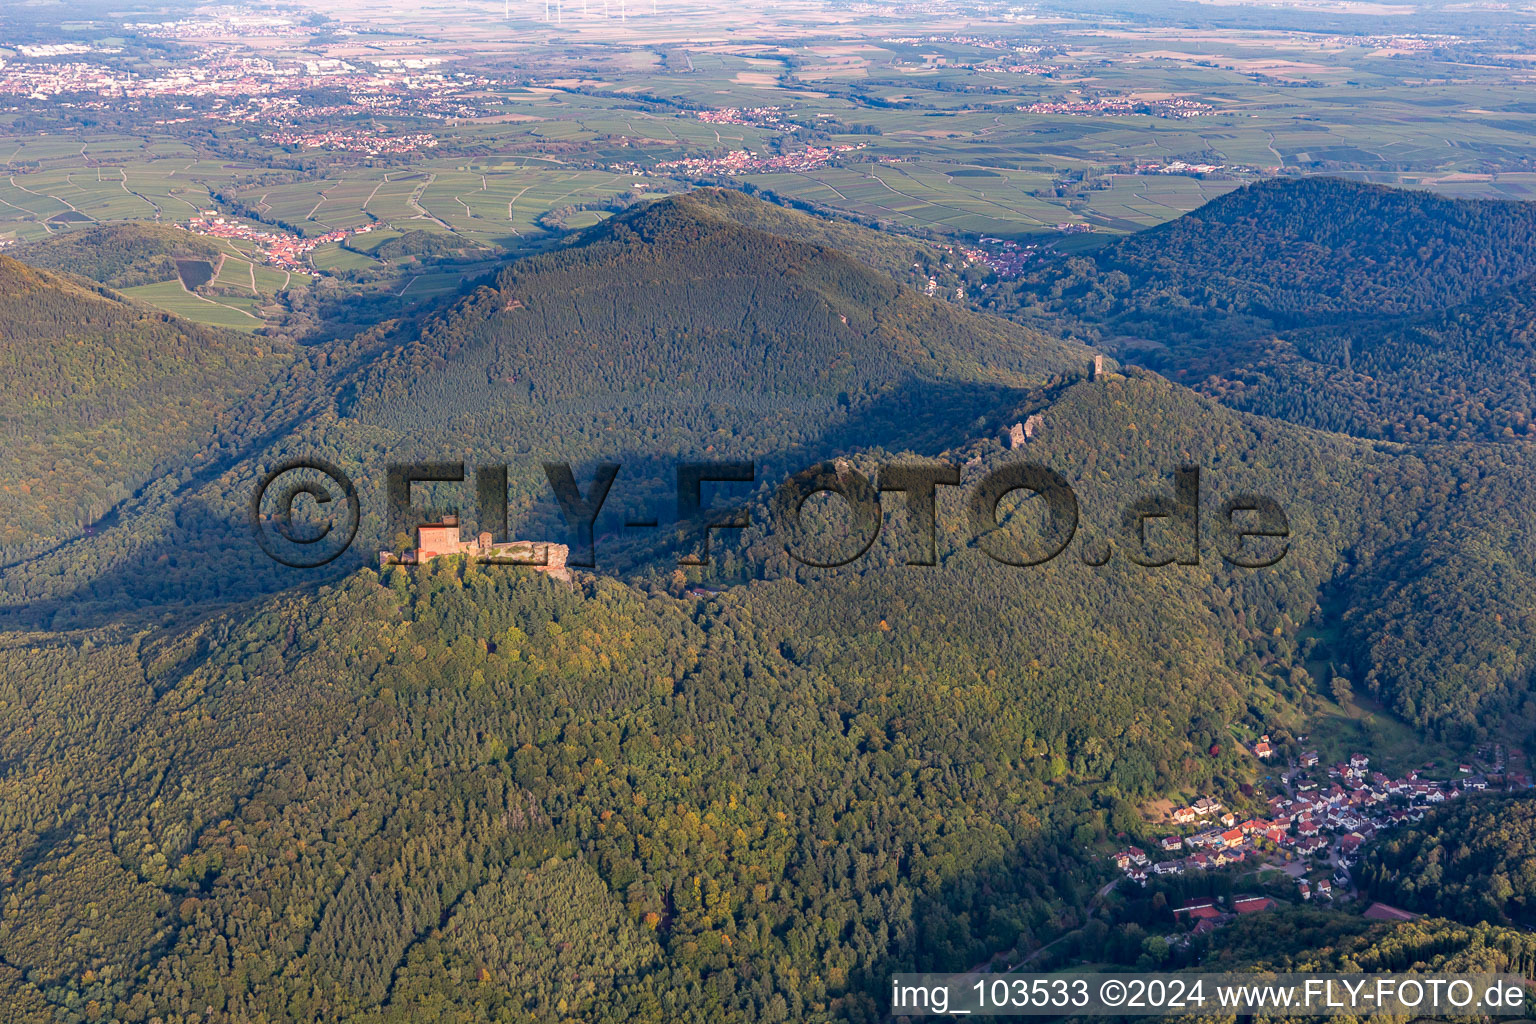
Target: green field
(173,298)
(950,150)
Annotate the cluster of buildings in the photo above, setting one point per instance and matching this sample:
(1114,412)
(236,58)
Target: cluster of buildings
(989,42)
(371,143)
(234,23)
(1018,68)
(63,49)
(1208,915)
(1018,61)
(1174,106)
(1181,167)
(1335,818)
(1415,44)
(742,161)
(257,88)
(760,117)
(1004,258)
(434,540)
(42,81)
(284,251)
(1223,841)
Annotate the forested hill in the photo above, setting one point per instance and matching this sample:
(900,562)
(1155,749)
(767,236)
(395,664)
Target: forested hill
(1289,253)
(677,301)
(487,796)
(462,792)
(909,260)
(1307,939)
(670,331)
(100,393)
(1474,861)
(1380,312)
(1466,373)
(117,255)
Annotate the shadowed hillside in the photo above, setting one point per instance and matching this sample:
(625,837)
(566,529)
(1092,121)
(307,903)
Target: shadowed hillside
(1288,253)
(101,394)
(1465,373)
(465,792)
(676,299)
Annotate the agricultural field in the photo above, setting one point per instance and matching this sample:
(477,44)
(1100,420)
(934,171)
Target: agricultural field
(490,201)
(1042,131)
(172,297)
(1129,202)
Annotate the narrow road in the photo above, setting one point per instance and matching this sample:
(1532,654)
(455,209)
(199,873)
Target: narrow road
(131,192)
(376,192)
(44,195)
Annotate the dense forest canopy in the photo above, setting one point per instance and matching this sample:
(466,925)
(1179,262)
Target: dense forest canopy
(237,791)
(1379,312)
(101,395)
(1474,862)
(1462,373)
(1289,253)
